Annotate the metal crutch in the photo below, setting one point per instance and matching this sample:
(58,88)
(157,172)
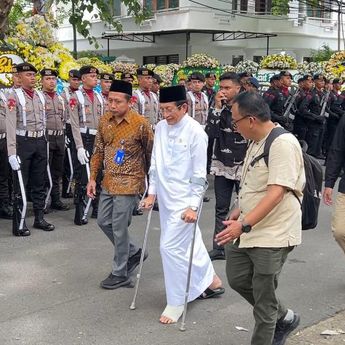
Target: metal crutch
(143,249)
(86,211)
(183,322)
(49,178)
(22,191)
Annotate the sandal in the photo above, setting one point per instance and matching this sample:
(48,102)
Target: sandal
(209,293)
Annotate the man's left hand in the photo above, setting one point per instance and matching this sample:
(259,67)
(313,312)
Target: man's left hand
(232,231)
(189,216)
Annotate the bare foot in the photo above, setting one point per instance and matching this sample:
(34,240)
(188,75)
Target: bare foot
(166,320)
(216,284)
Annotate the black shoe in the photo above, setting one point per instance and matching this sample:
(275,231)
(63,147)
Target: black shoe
(78,215)
(137,212)
(94,213)
(206,199)
(114,282)
(23,232)
(217,254)
(134,260)
(66,195)
(59,205)
(43,225)
(284,328)
(6,212)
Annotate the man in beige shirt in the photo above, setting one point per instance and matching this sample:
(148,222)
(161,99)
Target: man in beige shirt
(266,225)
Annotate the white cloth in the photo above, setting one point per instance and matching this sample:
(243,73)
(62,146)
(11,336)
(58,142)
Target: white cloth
(82,156)
(14,162)
(179,155)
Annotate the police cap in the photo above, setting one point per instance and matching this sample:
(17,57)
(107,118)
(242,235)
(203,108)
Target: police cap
(87,70)
(106,76)
(144,72)
(74,73)
(197,76)
(48,72)
(25,67)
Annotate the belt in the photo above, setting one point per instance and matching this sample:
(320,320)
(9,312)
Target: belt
(87,130)
(2,135)
(31,134)
(51,132)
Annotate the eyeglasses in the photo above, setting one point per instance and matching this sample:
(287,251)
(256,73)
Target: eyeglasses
(168,110)
(234,123)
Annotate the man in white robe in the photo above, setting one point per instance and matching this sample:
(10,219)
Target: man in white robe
(177,178)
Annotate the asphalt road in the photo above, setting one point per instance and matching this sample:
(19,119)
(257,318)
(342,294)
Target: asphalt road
(50,294)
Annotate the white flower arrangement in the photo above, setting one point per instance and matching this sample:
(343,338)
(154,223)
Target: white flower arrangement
(247,66)
(201,60)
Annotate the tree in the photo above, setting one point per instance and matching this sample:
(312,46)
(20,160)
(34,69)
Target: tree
(322,54)
(280,7)
(102,9)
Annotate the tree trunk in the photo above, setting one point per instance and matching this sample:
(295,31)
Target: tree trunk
(5,9)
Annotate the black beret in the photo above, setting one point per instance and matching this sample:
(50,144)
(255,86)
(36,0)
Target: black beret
(74,73)
(126,75)
(26,67)
(48,72)
(318,76)
(172,94)
(285,74)
(274,78)
(197,76)
(158,78)
(107,76)
(210,75)
(121,86)
(14,68)
(87,69)
(144,71)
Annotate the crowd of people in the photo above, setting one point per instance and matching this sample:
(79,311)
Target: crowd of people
(106,149)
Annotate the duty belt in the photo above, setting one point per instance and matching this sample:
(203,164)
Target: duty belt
(51,132)
(87,130)
(2,135)
(30,134)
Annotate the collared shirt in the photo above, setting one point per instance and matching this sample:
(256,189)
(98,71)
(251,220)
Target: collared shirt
(146,104)
(134,135)
(198,106)
(282,226)
(55,112)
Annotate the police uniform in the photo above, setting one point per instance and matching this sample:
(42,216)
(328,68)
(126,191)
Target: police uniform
(70,150)
(145,101)
(105,94)
(25,126)
(86,107)
(5,208)
(210,91)
(128,77)
(310,110)
(55,125)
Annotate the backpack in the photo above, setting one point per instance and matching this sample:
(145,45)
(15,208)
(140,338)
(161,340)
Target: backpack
(313,172)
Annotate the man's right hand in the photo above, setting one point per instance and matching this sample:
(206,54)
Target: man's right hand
(148,202)
(91,189)
(327,196)
(83,156)
(218,98)
(14,162)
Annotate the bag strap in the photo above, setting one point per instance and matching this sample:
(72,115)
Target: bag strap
(274,134)
(81,100)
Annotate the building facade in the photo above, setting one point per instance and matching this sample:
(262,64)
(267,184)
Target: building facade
(180,28)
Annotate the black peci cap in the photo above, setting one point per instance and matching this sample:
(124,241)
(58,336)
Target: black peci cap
(172,94)
(121,86)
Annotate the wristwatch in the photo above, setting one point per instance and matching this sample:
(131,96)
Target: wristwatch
(246,227)
(193,208)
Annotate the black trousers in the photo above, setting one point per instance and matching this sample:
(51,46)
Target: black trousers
(4,173)
(314,138)
(33,155)
(80,174)
(211,141)
(66,164)
(223,189)
(56,163)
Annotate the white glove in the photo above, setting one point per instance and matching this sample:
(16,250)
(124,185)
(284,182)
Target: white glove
(67,141)
(83,156)
(14,161)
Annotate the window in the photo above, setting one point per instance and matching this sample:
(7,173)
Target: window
(263,6)
(161,59)
(158,5)
(244,5)
(257,58)
(307,59)
(236,59)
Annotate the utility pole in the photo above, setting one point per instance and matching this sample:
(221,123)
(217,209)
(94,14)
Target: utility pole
(75,53)
(339,22)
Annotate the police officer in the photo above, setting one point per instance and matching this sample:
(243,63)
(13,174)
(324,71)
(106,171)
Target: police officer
(128,77)
(197,100)
(27,146)
(106,80)
(310,110)
(70,152)
(277,99)
(210,81)
(156,81)
(146,102)
(55,124)
(86,107)
(6,211)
